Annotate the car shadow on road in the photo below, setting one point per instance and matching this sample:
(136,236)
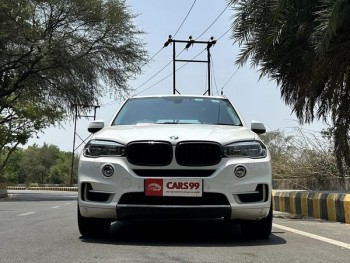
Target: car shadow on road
(181,233)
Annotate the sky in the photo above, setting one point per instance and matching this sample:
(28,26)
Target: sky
(256,98)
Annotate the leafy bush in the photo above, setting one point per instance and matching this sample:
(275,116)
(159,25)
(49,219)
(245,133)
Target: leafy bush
(304,157)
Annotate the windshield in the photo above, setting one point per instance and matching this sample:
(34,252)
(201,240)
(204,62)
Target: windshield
(177,110)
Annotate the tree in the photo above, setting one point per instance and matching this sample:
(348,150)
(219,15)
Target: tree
(60,172)
(38,165)
(11,174)
(56,53)
(19,122)
(305,47)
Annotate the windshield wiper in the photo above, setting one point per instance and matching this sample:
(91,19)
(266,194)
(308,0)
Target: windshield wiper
(167,122)
(227,124)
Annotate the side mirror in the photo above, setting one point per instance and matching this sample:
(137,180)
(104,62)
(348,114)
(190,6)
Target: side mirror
(96,126)
(258,127)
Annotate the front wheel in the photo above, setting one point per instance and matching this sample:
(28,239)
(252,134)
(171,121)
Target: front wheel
(258,229)
(93,227)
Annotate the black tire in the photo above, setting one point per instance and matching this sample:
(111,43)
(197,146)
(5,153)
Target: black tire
(93,227)
(258,229)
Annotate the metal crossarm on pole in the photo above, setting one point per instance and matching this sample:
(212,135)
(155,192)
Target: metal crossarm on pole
(190,42)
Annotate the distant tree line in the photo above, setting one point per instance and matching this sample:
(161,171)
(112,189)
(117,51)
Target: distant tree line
(39,165)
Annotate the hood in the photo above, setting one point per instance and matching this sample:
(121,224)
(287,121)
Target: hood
(175,133)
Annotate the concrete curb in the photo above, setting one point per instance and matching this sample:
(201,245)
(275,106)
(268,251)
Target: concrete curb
(44,188)
(329,206)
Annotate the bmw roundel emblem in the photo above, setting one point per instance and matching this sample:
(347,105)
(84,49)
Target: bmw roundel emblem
(174,137)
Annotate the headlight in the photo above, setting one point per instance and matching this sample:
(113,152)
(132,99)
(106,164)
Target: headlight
(253,149)
(96,148)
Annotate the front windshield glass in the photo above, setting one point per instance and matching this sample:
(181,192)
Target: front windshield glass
(177,110)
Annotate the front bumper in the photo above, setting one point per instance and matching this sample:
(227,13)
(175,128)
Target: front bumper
(224,194)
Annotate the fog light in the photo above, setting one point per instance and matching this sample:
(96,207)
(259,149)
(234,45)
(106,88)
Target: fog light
(107,170)
(240,171)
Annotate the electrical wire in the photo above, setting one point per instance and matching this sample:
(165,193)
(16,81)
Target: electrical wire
(159,71)
(155,55)
(152,57)
(152,77)
(217,92)
(110,103)
(212,68)
(154,84)
(213,22)
(169,74)
(189,11)
(183,21)
(228,30)
(229,79)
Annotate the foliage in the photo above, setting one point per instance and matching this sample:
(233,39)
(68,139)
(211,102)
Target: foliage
(39,165)
(305,47)
(56,53)
(19,122)
(302,156)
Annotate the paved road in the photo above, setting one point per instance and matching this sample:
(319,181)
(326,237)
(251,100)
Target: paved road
(41,227)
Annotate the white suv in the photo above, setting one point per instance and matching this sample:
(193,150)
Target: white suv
(175,157)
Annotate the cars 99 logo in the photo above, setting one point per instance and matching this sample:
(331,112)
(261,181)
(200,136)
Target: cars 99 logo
(183,185)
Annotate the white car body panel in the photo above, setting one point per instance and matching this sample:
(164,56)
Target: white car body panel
(221,181)
(185,132)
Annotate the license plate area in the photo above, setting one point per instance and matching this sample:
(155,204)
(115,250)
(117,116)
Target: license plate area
(174,187)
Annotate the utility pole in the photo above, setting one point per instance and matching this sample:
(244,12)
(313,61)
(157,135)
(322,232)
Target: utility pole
(190,42)
(76,115)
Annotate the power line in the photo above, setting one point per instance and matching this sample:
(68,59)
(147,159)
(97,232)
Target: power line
(233,74)
(170,73)
(216,85)
(107,104)
(152,57)
(213,22)
(212,62)
(183,21)
(189,11)
(148,80)
(159,71)
(222,35)
(155,55)
(167,76)
(228,30)
(154,84)
(217,92)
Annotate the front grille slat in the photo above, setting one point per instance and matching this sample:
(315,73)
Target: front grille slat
(198,153)
(149,153)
